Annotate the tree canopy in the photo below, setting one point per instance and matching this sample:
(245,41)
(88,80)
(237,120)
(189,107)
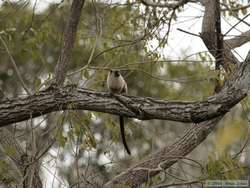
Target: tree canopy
(186,115)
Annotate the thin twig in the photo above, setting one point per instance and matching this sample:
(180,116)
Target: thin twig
(179,80)
(97,38)
(105,51)
(32,20)
(241,150)
(188,32)
(227,8)
(240,20)
(15,66)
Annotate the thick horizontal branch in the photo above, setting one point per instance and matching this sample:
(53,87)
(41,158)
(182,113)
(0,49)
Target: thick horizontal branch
(167,156)
(72,98)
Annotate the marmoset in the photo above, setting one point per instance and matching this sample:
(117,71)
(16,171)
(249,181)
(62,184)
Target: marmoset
(117,84)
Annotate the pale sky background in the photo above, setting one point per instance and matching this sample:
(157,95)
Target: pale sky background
(178,42)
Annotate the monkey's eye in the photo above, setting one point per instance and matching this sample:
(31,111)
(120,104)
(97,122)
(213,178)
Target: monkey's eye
(111,71)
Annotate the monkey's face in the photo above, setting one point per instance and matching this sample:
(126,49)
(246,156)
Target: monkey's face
(116,73)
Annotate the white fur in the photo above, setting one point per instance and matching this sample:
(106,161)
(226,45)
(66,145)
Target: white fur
(116,83)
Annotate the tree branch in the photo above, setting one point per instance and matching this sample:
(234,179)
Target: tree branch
(208,33)
(15,66)
(164,158)
(167,156)
(164,5)
(68,42)
(227,8)
(68,98)
(219,46)
(238,40)
(19,159)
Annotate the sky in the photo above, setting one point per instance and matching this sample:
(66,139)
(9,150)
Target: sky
(191,21)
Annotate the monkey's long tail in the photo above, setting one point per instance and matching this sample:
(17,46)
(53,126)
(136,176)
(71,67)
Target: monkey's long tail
(123,134)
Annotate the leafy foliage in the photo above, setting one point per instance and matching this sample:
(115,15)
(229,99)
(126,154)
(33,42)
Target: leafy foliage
(113,36)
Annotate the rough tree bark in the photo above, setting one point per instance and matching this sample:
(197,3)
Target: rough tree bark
(71,98)
(28,165)
(166,157)
(68,42)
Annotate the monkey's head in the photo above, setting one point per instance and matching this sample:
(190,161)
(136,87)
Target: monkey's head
(115,72)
